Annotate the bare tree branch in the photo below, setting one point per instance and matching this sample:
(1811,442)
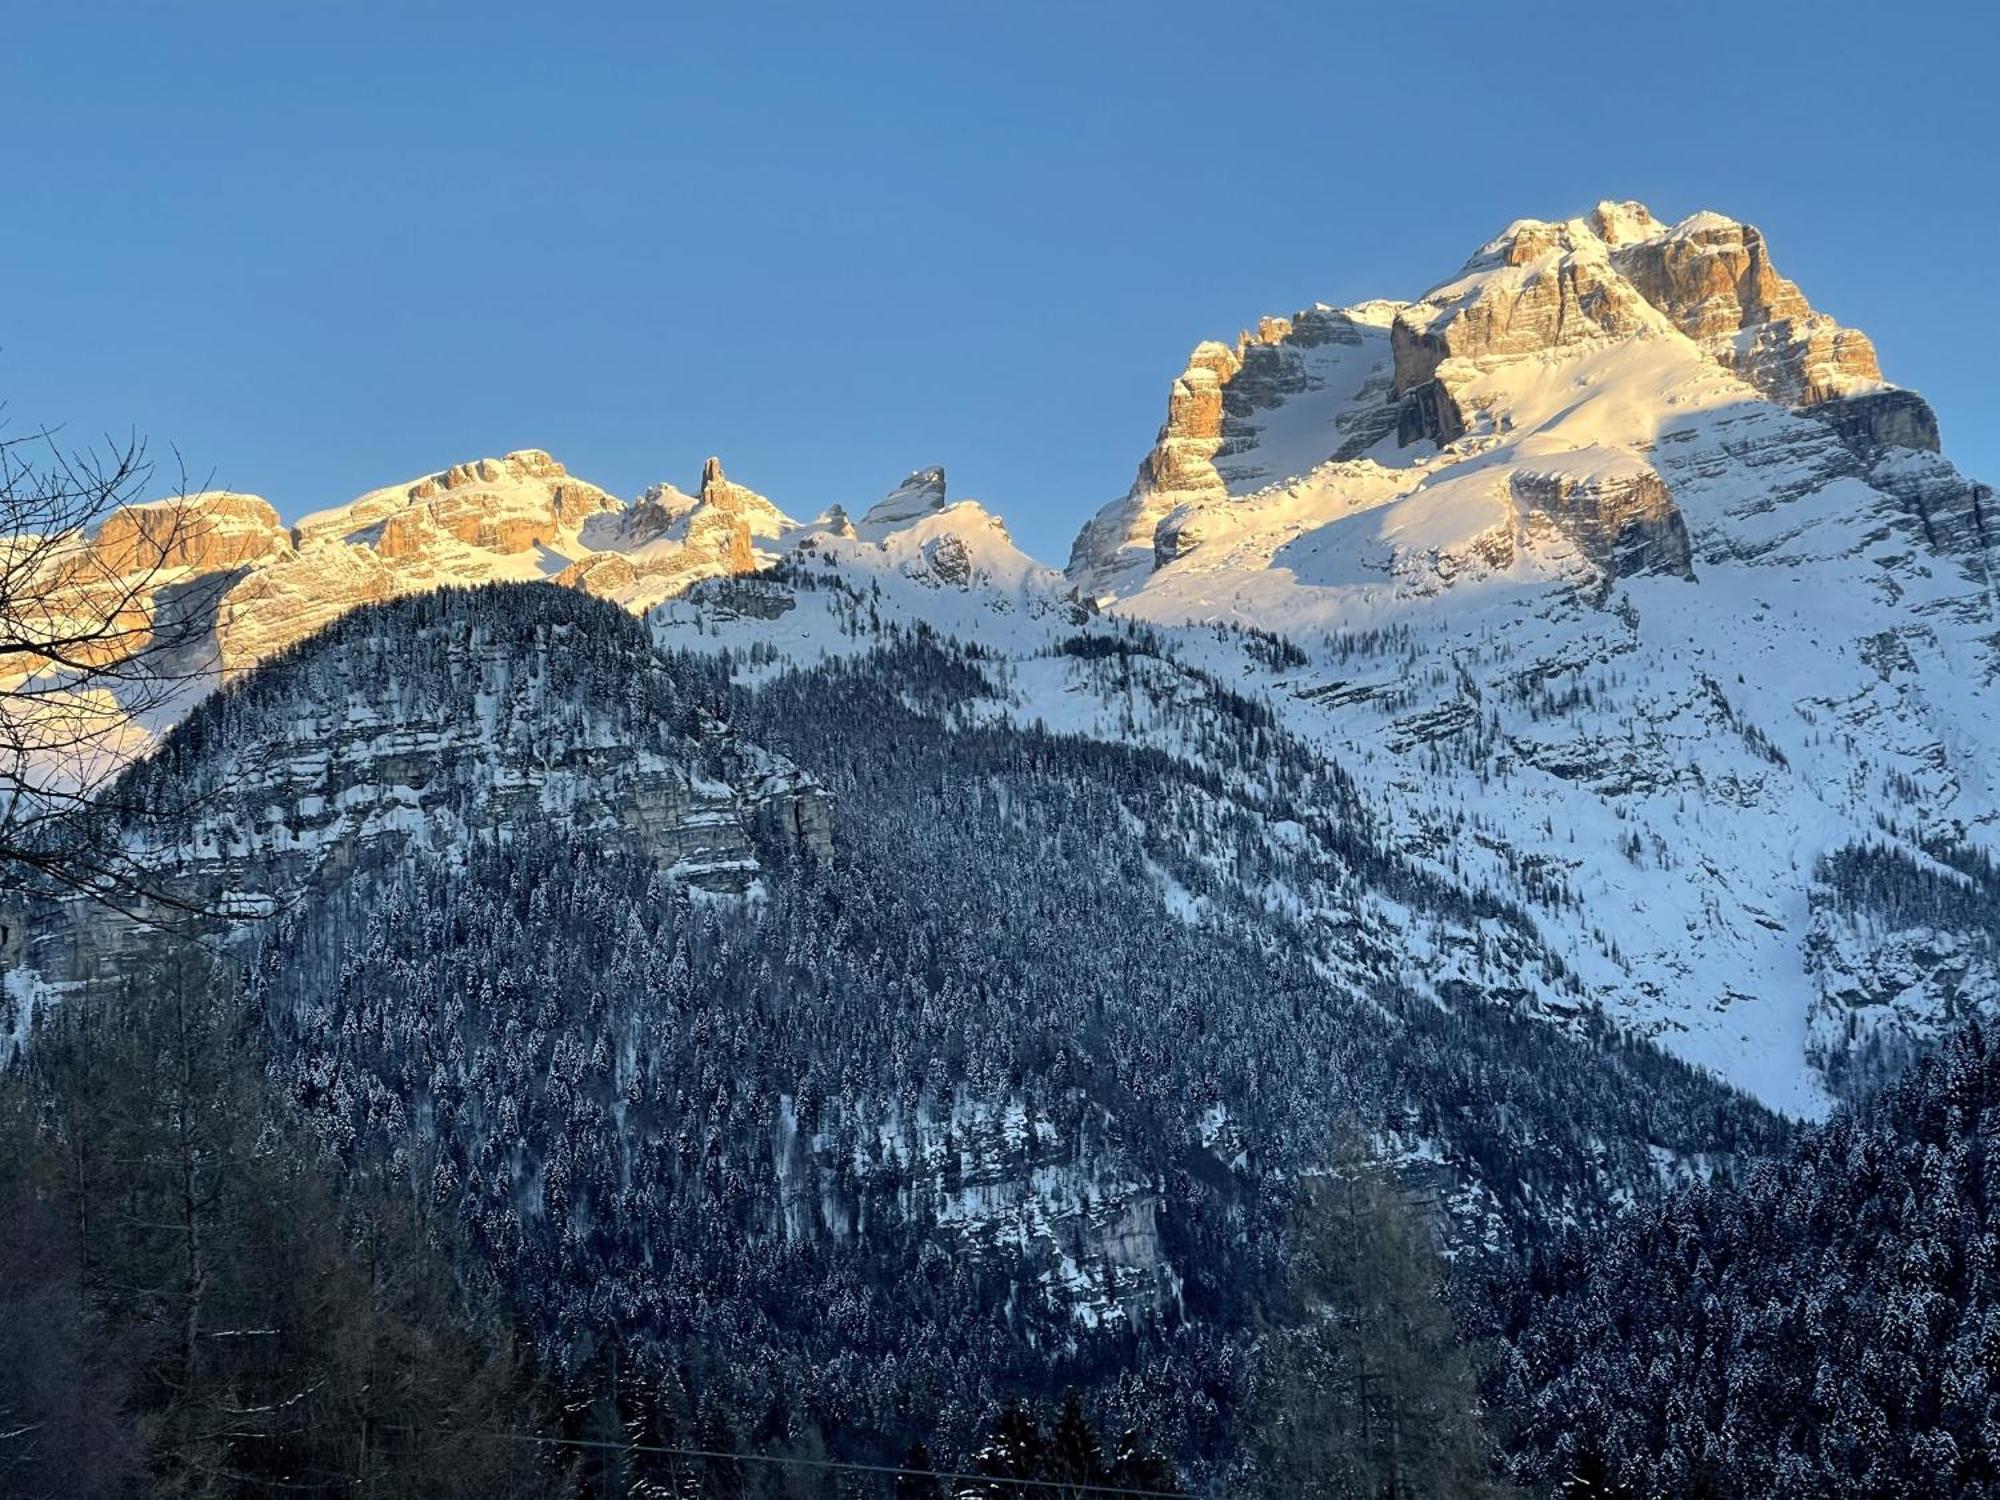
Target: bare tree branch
(108,609)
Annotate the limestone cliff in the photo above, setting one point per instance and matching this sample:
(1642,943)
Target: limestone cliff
(1620,517)
(1118,541)
(245,585)
(1714,278)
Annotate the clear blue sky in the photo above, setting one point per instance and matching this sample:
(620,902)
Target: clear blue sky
(325,247)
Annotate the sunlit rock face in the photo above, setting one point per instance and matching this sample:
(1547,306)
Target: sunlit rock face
(1182,461)
(497,504)
(1714,278)
(669,540)
(471,523)
(522,517)
(1536,289)
(1616,274)
(1119,542)
(203,533)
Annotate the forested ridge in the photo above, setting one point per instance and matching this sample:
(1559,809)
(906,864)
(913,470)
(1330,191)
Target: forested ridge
(1027,1086)
(1830,1325)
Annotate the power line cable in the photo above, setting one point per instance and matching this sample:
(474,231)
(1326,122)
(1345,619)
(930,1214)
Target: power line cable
(1057,1486)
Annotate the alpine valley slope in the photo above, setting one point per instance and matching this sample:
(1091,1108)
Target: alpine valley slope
(1614,576)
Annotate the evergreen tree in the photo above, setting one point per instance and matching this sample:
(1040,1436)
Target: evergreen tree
(1827,1326)
(66,1372)
(267,1331)
(1367,1392)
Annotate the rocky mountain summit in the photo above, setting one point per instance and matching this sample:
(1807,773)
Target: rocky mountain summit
(514,518)
(265,585)
(1383,385)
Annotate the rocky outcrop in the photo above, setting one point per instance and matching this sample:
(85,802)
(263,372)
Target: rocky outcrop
(654,513)
(1540,291)
(493,521)
(718,527)
(1622,224)
(917,535)
(1620,273)
(429,722)
(1269,368)
(144,565)
(1539,287)
(1428,412)
(1620,517)
(670,539)
(1872,420)
(1062,1199)
(1713,277)
(1319,366)
(1948,513)
(949,561)
(271,608)
(203,533)
(759,517)
(1179,470)
(1182,460)
(916,497)
(604,574)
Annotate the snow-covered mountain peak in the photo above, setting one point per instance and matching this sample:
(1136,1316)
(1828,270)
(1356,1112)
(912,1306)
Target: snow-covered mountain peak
(1640,542)
(485,503)
(1601,332)
(917,496)
(1620,273)
(916,535)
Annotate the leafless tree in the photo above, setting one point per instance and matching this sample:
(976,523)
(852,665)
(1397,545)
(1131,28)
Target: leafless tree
(106,622)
